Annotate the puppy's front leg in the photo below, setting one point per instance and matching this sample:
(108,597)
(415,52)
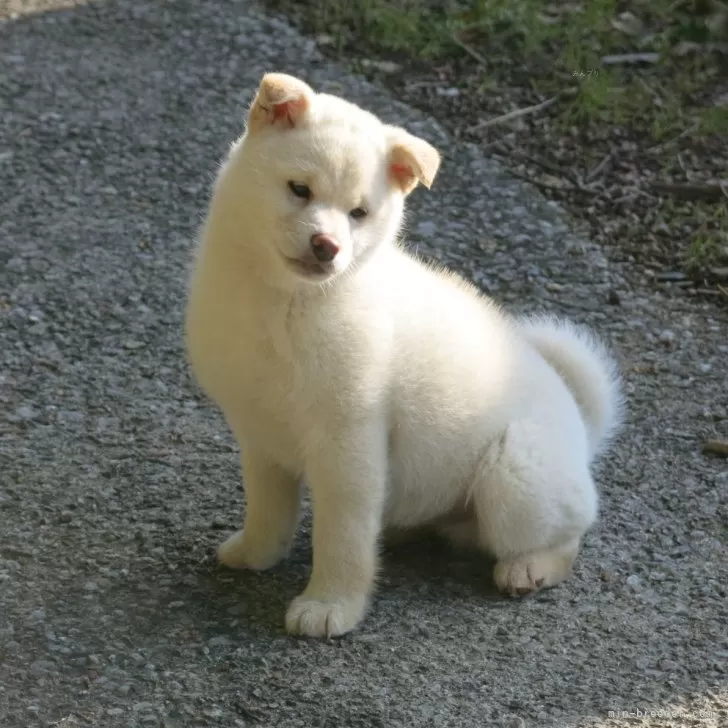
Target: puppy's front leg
(347,478)
(273,497)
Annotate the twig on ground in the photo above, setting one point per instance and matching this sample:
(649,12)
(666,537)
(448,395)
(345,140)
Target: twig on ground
(660,146)
(470,50)
(632,195)
(601,169)
(494,144)
(708,191)
(716,447)
(650,90)
(551,167)
(550,186)
(518,113)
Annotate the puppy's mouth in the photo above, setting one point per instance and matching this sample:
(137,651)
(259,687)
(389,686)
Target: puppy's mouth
(313,270)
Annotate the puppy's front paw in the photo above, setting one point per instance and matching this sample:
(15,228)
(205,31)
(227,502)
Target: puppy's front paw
(238,552)
(313,618)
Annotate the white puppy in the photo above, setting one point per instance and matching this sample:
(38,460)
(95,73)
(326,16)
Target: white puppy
(400,394)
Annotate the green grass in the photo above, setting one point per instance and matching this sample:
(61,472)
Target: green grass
(710,239)
(397,27)
(714,120)
(558,47)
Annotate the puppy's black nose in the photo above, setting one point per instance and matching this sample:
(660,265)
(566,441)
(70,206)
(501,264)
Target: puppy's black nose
(324,247)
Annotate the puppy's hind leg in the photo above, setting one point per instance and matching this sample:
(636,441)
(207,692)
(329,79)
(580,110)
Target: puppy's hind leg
(534,499)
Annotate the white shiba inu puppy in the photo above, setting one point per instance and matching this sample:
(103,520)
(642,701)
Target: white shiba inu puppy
(398,392)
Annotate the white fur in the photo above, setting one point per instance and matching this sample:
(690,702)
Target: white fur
(400,394)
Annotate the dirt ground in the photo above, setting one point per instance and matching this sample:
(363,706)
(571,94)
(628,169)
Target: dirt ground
(118,479)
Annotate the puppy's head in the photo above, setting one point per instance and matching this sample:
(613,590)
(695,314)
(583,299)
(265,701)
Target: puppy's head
(326,178)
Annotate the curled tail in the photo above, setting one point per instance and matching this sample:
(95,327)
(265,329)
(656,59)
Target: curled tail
(588,369)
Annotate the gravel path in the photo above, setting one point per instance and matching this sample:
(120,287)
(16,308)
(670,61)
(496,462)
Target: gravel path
(117,479)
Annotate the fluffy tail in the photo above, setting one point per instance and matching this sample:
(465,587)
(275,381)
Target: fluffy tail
(588,369)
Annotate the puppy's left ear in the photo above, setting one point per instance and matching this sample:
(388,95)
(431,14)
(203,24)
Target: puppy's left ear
(411,160)
(281,101)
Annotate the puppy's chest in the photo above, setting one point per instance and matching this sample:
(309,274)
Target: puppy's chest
(255,359)
(264,369)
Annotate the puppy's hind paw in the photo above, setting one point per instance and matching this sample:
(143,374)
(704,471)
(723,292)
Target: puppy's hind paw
(532,572)
(312,618)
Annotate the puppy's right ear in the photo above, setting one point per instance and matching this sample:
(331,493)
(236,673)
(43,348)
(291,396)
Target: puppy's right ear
(282,101)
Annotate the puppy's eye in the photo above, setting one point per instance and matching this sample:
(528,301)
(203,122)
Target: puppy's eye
(358,213)
(302,191)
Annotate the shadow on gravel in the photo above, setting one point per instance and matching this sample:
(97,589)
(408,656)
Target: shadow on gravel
(172,592)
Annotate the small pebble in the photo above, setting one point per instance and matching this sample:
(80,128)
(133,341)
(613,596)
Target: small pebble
(426,229)
(514,722)
(667,337)
(38,615)
(26,413)
(633,581)
(668,665)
